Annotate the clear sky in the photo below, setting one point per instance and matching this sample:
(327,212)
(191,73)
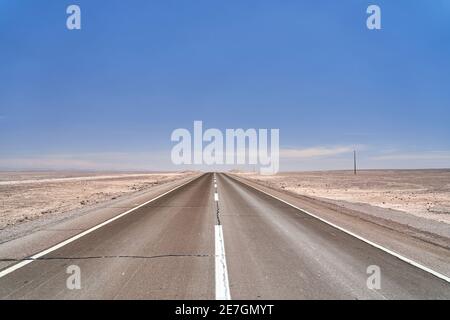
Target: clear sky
(108,96)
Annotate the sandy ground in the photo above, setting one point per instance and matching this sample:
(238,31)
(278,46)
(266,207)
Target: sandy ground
(26,196)
(423,193)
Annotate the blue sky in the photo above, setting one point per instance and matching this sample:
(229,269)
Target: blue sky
(108,96)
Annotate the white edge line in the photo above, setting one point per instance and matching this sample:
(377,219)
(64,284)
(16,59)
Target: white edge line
(63,243)
(222,285)
(395,254)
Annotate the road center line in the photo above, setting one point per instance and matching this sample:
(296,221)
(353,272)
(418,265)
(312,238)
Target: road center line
(222,287)
(222,284)
(82,234)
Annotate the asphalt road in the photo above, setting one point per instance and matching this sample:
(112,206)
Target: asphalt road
(173,248)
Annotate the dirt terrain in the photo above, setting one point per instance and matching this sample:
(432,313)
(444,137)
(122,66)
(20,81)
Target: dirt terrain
(423,193)
(26,196)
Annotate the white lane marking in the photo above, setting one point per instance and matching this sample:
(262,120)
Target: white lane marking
(216,196)
(215,185)
(395,254)
(222,286)
(82,234)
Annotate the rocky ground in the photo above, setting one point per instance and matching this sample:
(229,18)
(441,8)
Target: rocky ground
(26,196)
(423,193)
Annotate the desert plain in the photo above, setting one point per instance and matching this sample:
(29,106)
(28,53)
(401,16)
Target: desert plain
(421,193)
(27,196)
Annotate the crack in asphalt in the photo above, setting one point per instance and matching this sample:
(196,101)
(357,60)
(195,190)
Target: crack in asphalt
(218,213)
(217,208)
(108,257)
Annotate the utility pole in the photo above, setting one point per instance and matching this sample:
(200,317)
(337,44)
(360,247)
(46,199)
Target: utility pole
(354,161)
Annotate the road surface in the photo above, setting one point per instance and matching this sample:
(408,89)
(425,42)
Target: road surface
(216,237)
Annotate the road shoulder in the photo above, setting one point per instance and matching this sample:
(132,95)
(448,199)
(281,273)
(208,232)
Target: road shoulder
(423,246)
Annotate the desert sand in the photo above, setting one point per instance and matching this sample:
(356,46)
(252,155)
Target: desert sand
(26,196)
(423,193)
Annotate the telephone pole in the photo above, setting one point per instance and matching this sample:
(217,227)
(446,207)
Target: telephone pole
(354,161)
